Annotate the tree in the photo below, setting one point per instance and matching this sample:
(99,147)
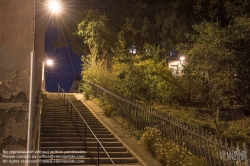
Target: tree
(217,68)
(239,31)
(208,65)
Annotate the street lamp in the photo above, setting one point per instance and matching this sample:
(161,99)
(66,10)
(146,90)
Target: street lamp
(54,6)
(48,62)
(182,58)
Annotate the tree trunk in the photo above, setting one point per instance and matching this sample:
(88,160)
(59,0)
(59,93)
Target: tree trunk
(216,120)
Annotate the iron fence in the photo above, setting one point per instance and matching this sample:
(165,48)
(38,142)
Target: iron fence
(201,143)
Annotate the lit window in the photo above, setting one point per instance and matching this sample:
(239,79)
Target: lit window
(173,53)
(132,50)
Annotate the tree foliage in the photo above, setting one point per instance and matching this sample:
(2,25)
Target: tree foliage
(218,66)
(145,76)
(213,34)
(239,46)
(209,66)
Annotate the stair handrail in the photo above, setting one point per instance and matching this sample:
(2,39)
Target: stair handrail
(86,124)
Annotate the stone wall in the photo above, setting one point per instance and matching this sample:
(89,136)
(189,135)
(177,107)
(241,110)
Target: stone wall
(16,45)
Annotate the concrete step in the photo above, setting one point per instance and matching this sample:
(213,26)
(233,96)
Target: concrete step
(74,131)
(76,139)
(74,135)
(64,112)
(90,154)
(67,119)
(99,128)
(79,143)
(69,148)
(70,124)
(83,161)
(124,164)
(67,116)
(73,127)
(71,121)
(79,126)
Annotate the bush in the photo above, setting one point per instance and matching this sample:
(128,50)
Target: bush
(167,152)
(87,90)
(108,107)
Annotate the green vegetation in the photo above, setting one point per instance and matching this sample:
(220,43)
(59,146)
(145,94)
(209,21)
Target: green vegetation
(167,152)
(88,91)
(237,130)
(214,35)
(107,106)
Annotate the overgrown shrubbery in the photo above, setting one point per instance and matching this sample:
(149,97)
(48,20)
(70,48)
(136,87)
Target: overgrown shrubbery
(216,70)
(238,131)
(87,91)
(143,77)
(167,152)
(108,107)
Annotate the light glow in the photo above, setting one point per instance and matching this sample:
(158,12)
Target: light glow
(182,58)
(49,62)
(54,6)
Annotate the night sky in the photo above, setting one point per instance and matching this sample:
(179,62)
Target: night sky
(66,63)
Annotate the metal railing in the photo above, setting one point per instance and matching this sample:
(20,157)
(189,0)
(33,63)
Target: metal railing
(201,143)
(67,102)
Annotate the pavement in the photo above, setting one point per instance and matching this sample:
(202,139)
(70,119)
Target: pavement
(119,130)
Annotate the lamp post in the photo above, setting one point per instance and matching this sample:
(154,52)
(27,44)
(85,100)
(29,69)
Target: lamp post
(55,8)
(32,78)
(31,90)
(48,62)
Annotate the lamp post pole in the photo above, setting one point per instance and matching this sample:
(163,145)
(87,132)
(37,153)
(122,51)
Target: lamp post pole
(31,91)
(47,62)
(55,6)
(43,76)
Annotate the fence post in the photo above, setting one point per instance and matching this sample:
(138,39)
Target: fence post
(199,137)
(246,153)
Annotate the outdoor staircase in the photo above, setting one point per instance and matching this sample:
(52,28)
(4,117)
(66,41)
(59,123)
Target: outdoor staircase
(58,135)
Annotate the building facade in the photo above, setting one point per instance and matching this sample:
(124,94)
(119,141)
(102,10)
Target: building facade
(22,32)
(175,62)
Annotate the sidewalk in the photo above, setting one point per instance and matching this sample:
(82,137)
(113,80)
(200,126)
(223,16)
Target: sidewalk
(128,140)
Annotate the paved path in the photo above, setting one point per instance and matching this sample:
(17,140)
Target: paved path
(129,141)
